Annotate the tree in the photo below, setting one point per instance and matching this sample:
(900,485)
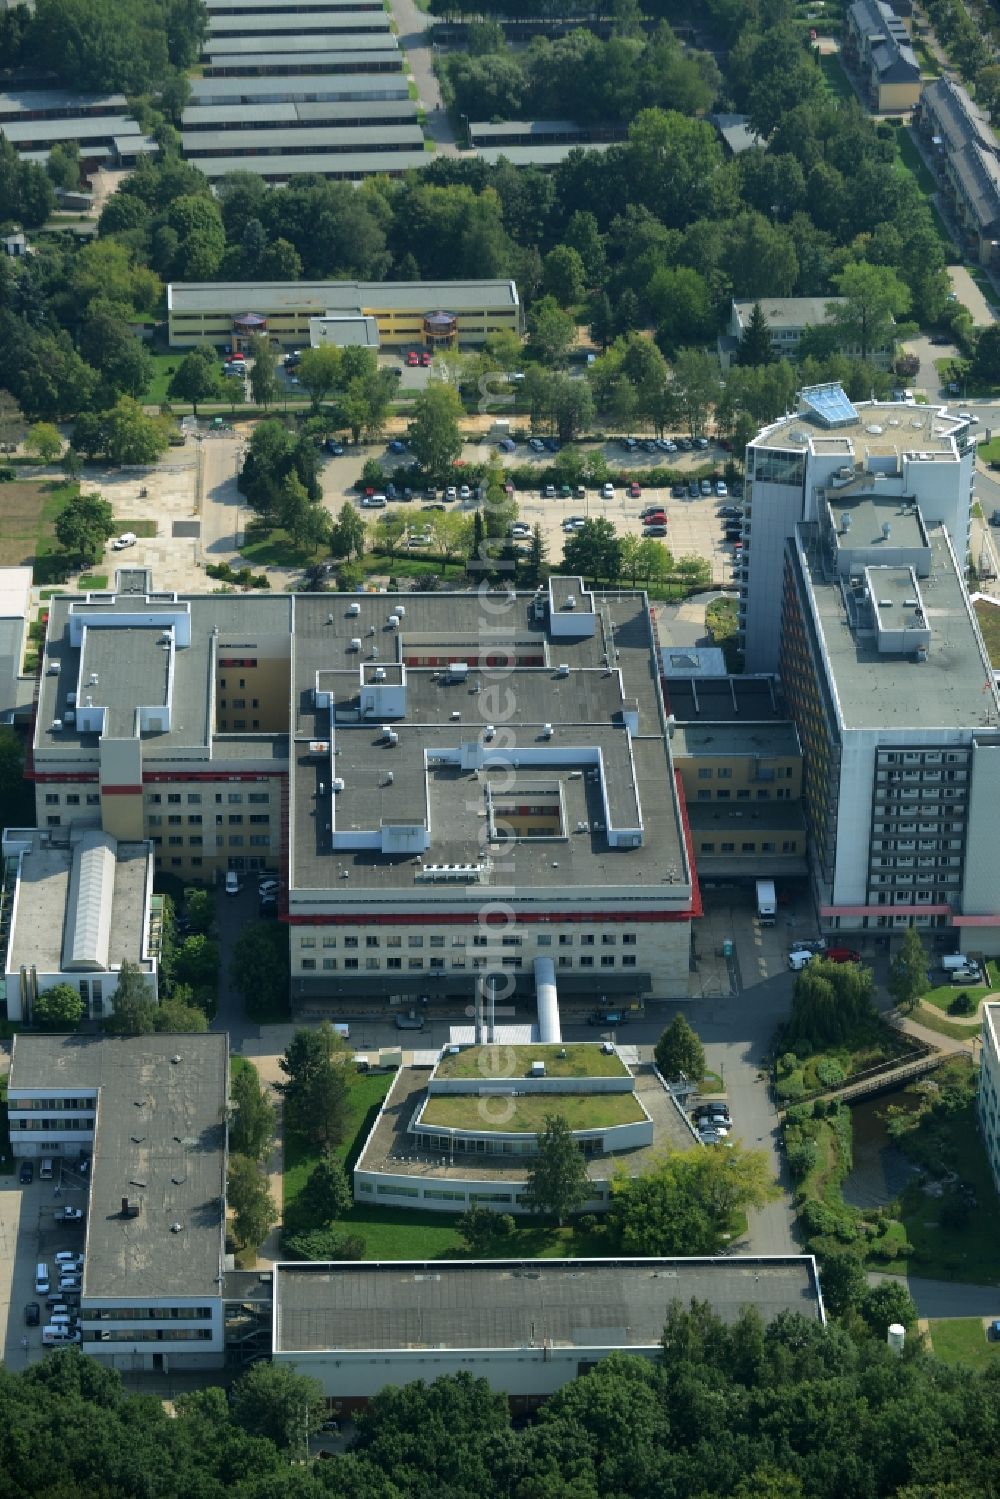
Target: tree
(319,372)
(326,1194)
(831,1004)
(885,1303)
(12,423)
(348,535)
(199,910)
(679,1051)
(564,277)
(434,435)
(12,782)
(874,298)
(249,1197)
(263,371)
(198,378)
(557,1177)
(986,358)
(594,551)
(316,1091)
(552,330)
(133,1008)
(273,1401)
(59,1008)
(130,436)
(259,968)
(602,322)
(390,528)
(908,975)
(44,439)
(696,381)
(84,526)
(63,165)
(686,1203)
(251,1128)
(843,1280)
(196,961)
(478,1227)
(755,345)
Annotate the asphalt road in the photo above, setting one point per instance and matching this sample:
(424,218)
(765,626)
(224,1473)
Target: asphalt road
(946,1298)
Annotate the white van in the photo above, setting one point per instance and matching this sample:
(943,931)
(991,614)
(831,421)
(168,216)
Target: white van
(56,1335)
(41,1279)
(46,1170)
(954,960)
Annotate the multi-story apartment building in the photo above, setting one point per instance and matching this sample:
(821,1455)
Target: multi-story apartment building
(964,148)
(454,785)
(988,1094)
(877,43)
(799,466)
(894,697)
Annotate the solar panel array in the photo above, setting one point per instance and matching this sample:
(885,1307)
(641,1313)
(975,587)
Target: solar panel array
(829,404)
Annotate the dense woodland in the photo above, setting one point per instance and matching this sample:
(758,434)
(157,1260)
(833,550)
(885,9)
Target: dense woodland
(789,1411)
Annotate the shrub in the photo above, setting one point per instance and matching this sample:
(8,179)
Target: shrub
(802,1156)
(787,1062)
(587,1222)
(829,1072)
(961,1005)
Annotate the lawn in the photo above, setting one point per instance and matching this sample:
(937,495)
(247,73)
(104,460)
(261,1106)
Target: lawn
(834,76)
(93,580)
(988,616)
(962,1340)
(366,1094)
(528,1112)
(164,366)
(28,514)
(943,995)
(932,1020)
(276,549)
(584,1059)
(911,159)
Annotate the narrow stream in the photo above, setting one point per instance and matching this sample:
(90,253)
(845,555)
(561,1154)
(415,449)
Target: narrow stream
(880,1170)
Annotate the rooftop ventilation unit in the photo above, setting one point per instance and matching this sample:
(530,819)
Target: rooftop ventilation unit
(547,731)
(379,674)
(562,670)
(885,603)
(391,738)
(392,622)
(458,671)
(56,725)
(455,874)
(845,522)
(53,668)
(400,611)
(570,601)
(337,783)
(354,644)
(886,530)
(130,1208)
(456,715)
(353,610)
(489,732)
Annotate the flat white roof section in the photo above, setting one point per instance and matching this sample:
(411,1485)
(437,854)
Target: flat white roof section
(88,905)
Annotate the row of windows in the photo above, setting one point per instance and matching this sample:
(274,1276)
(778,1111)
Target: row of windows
(72,798)
(237,726)
(725,773)
(58,1125)
(149,1314)
(789,846)
(238,702)
(234,798)
(195,840)
(544,939)
(149,1335)
(52,1105)
(437,965)
(782,794)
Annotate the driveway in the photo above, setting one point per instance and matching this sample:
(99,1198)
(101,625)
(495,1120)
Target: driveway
(969,294)
(413,25)
(946,1298)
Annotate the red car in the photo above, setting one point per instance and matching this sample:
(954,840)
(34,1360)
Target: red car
(425,358)
(413,359)
(654,518)
(634,492)
(841,955)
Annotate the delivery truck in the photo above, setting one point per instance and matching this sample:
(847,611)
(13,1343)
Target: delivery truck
(767,902)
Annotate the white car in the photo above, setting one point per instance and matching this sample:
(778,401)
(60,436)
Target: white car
(607,491)
(71,1215)
(69,1261)
(798,959)
(126,539)
(267,885)
(232,882)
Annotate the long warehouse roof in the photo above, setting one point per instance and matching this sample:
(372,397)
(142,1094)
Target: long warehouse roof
(328,163)
(262,142)
(307,87)
(364,111)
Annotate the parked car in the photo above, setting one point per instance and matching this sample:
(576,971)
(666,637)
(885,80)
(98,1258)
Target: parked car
(731,512)
(425,358)
(699,442)
(797,960)
(464,492)
(971,974)
(811,944)
(413,359)
(507,445)
(629,444)
(373,502)
(32,1314)
(842,955)
(657,529)
(679,491)
(126,539)
(232,882)
(693,490)
(553,444)
(336,448)
(26,1173)
(721,487)
(71,1214)
(536,445)
(634,491)
(607,491)
(520,531)
(549,492)
(267,884)
(665,445)
(397,445)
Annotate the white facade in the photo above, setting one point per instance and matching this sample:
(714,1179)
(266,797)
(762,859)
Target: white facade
(988,1100)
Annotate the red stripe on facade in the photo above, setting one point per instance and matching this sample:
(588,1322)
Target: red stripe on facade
(121,790)
(696,906)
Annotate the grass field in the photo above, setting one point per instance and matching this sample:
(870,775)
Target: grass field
(93,580)
(834,76)
(943,995)
(164,366)
(584,1059)
(528,1112)
(962,1340)
(28,514)
(988,616)
(932,1020)
(367,1090)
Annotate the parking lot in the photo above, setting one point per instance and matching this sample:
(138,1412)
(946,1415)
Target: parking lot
(30,1232)
(694,527)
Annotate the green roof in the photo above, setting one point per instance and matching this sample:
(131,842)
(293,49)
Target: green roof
(579,1059)
(581,1111)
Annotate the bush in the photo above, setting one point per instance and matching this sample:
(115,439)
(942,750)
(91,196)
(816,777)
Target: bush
(961,1005)
(787,1062)
(829,1072)
(802,1156)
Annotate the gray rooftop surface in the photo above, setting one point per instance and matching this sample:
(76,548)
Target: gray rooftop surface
(160,1141)
(11,644)
(536,156)
(79,128)
(216,49)
(295,113)
(787,312)
(882,427)
(309,87)
(511,1304)
(24,101)
(357,138)
(132,669)
(583,708)
(891,692)
(40,917)
(714,700)
(747,738)
(329,163)
(308,23)
(337,296)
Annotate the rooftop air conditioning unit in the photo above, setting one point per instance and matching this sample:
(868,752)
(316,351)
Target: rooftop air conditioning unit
(56,725)
(547,731)
(400,611)
(338,783)
(393,622)
(570,601)
(354,644)
(354,610)
(562,670)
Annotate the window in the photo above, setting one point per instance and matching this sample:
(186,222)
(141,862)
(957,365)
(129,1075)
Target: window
(704,774)
(329,941)
(371,942)
(393,941)
(259,840)
(414,941)
(235,819)
(194,798)
(628,939)
(52,798)
(544,940)
(723,796)
(174,797)
(174,821)
(586,962)
(372,963)
(258,798)
(153,798)
(607,960)
(154,819)
(308,962)
(239,702)
(743,796)
(175,840)
(394,963)
(414,962)
(725,773)
(329,963)
(350,963)
(93,799)
(235,798)
(308,942)
(748,848)
(439,962)
(728,848)
(260,818)
(52,822)
(350,941)
(236,840)
(704,796)
(196,842)
(608,939)
(72,799)
(565,939)
(628,961)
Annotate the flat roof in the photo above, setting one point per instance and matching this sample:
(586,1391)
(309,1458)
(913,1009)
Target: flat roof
(787,312)
(290,164)
(16,101)
(536,156)
(703,740)
(951,688)
(725,699)
(75,128)
(882,428)
(571,1059)
(277,140)
(296,112)
(580,710)
(160,1141)
(337,296)
(308,22)
(509,1304)
(131,668)
(42,906)
(215,48)
(391,1147)
(313,87)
